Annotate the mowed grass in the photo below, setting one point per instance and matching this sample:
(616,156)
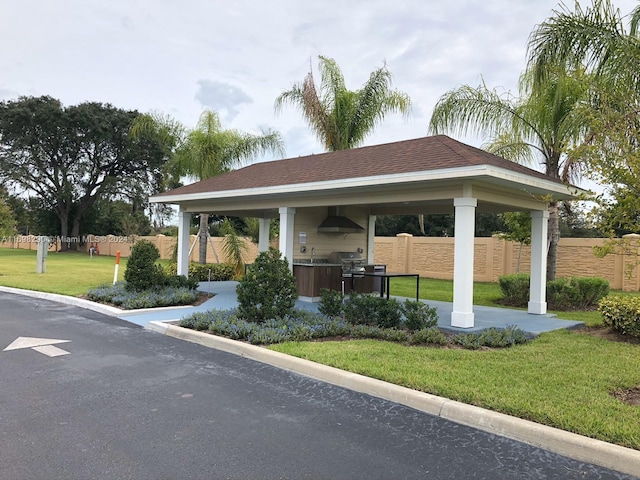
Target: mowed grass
(562,379)
(68,273)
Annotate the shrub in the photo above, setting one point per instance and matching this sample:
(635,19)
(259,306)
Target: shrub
(379,333)
(622,314)
(492,337)
(592,290)
(268,290)
(142,273)
(429,336)
(200,273)
(562,294)
(515,289)
(362,309)
(419,315)
(576,293)
(331,303)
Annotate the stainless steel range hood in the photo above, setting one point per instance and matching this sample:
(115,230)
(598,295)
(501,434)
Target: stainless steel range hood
(335,223)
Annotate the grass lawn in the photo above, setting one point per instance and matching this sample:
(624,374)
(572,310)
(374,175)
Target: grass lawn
(562,379)
(68,273)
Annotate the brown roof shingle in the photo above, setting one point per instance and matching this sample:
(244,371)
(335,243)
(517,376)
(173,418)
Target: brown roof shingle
(417,155)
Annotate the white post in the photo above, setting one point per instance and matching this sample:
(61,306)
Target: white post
(42,244)
(287,215)
(263,234)
(538,286)
(465,218)
(371,232)
(184,223)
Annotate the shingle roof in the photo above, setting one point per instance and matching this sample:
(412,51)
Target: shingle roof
(408,156)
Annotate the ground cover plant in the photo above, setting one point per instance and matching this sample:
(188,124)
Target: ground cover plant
(301,325)
(120,296)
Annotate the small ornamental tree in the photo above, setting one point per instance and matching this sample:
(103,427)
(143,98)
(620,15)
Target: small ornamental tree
(268,290)
(142,273)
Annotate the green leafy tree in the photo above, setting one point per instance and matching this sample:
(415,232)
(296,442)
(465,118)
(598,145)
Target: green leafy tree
(517,229)
(542,125)
(70,156)
(268,290)
(7,220)
(206,151)
(343,118)
(142,273)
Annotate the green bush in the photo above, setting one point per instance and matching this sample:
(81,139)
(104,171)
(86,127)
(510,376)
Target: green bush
(361,309)
(142,273)
(622,314)
(331,303)
(419,315)
(429,336)
(200,273)
(515,289)
(562,294)
(577,293)
(268,290)
(592,290)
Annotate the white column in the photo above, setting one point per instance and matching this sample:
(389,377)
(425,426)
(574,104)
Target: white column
(371,232)
(286,233)
(184,223)
(465,220)
(538,286)
(263,234)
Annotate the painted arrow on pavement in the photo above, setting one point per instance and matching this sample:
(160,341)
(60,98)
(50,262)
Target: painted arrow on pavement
(42,345)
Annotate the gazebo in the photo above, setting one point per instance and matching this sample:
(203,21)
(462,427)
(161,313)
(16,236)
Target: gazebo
(420,176)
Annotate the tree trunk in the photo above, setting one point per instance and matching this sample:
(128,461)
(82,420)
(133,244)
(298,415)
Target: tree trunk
(64,229)
(203,235)
(553,237)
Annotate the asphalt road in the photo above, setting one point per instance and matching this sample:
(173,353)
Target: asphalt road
(126,403)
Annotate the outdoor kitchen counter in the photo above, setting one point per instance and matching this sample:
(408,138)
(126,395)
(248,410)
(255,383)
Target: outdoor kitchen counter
(311,278)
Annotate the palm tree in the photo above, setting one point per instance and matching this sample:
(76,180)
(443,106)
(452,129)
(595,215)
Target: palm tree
(342,118)
(597,40)
(207,151)
(594,38)
(542,124)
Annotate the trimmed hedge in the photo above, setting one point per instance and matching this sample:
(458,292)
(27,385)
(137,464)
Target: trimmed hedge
(622,314)
(220,272)
(576,293)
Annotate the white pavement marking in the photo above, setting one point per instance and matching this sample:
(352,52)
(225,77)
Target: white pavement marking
(50,351)
(30,342)
(41,345)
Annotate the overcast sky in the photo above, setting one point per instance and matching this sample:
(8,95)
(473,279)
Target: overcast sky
(182,57)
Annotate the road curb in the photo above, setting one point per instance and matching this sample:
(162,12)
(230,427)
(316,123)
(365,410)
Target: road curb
(577,447)
(67,300)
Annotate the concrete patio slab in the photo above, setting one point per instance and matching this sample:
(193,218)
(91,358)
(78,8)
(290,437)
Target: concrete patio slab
(224,297)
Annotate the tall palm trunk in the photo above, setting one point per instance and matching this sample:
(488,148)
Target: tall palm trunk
(203,236)
(553,238)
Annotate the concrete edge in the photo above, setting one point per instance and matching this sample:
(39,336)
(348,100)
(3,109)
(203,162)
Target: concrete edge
(572,445)
(67,300)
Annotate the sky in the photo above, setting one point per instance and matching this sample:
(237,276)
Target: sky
(235,57)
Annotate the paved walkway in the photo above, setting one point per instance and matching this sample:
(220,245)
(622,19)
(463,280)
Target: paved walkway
(224,297)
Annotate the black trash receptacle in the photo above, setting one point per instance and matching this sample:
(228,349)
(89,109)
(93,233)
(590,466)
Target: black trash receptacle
(377,281)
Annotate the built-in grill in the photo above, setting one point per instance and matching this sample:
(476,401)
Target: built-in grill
(351,262)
